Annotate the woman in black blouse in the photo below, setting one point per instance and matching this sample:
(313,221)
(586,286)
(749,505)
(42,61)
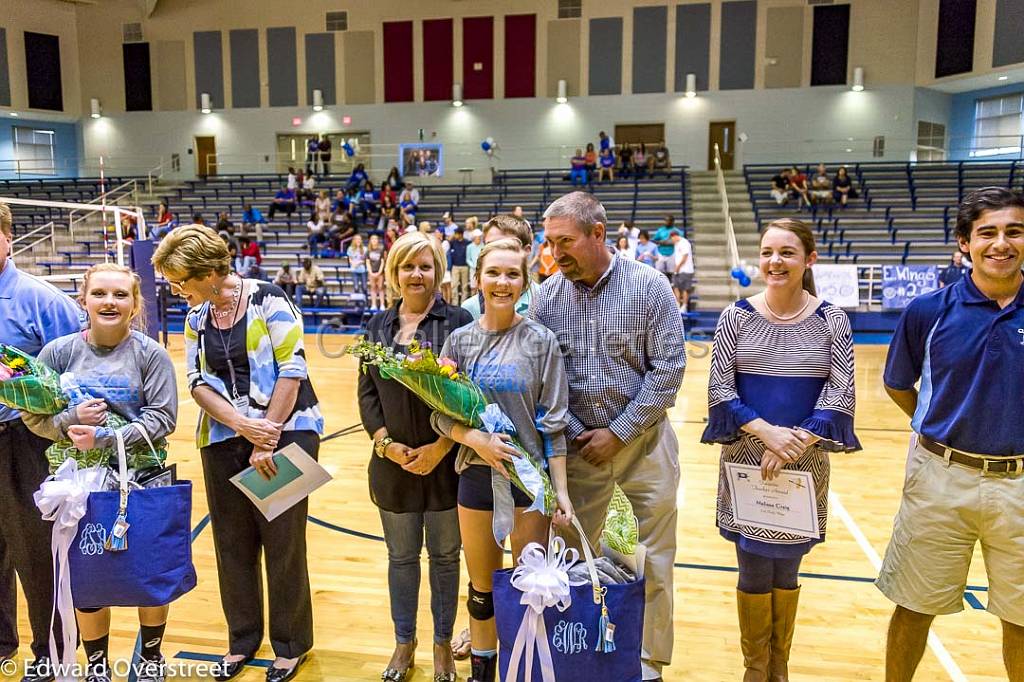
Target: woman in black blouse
(412,471)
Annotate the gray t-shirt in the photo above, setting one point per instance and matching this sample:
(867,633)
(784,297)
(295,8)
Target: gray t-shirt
(521,370)
(135,378)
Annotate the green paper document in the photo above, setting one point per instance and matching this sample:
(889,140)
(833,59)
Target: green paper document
(297,476)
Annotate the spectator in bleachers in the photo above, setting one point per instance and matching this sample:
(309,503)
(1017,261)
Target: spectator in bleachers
(445,248)
(821,186)
(624,249)
(625,161)
(285,279)
(308,192)
(368,202)
(798,187)
(197,219)
(659,161)
(316,234)
(473,249)
(341,229)
(628,230)
(357,261)
(646,250)
(591,158)
(457,247)
(780,187)
(293,180)
(391,235)
(546,263)
(389,211)
(284,201)
(604,142)
(312,153)
(640,159)
(322,208)
(253,218)
(324,148)
(842,187)
(310,280)
(954,272)
(578,172)
(682,279)
(394,180)
(472,230)
(606,165)
(518,212)
(225,226)
(164,221)
(666,246)
(375,255)
(357,178)
(251,259)
(448,226)
(409,201)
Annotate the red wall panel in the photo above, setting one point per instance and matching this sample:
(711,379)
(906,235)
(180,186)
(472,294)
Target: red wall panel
(520,55)
(398,61)
(478,48)
(438,59)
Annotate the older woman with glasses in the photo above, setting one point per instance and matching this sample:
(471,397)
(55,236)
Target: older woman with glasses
(246,370)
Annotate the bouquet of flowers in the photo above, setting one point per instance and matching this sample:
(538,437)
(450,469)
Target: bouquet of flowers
(438,383)
(28,385)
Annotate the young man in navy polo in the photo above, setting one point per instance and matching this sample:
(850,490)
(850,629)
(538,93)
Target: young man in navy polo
(965,472)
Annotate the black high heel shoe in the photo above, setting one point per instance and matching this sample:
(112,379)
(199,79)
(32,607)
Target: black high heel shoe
(230,670)
(275,674)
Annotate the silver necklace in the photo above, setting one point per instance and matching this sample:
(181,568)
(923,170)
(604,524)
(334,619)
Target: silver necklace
(780,318)
(233,305)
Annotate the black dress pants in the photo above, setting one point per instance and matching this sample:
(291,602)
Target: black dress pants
(24,539)
(240,535)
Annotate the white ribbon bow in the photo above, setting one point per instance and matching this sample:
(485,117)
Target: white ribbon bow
(63,498)
(544,582)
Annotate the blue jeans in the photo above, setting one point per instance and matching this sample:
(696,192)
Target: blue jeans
(578,176)
(318,296)
(359,280)
(403,534)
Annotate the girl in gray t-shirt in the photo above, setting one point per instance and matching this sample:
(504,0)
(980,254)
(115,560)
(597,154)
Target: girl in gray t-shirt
(517,364)
(128,372)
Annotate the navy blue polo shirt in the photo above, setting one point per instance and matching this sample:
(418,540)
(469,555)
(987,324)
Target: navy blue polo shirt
(969,357)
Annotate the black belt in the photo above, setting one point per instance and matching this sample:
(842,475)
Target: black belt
(1012,465)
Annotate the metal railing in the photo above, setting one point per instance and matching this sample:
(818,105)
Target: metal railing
(154,174)
(127,190)
(51,226)
(730,232)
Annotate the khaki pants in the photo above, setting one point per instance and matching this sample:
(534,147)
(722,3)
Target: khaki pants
(460,283)
(647,470)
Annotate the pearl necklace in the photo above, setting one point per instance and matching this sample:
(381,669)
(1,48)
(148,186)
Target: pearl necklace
(780,318)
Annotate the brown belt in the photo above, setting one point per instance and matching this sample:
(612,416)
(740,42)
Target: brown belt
(1012,465)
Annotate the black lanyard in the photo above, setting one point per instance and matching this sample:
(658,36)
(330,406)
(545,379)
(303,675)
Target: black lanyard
(226,343)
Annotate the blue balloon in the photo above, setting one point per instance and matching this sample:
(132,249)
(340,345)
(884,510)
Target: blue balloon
(348,149)
(736,272)
(744,280)
(485,145)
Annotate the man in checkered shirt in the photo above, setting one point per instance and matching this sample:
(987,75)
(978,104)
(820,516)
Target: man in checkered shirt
(622,339)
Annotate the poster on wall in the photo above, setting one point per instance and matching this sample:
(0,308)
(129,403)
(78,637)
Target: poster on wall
(903,283)
(421,160)
(837,284)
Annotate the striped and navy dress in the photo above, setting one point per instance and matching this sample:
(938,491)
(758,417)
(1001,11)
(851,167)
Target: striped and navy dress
(795,375)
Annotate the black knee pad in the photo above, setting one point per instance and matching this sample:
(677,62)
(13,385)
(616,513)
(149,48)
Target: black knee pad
(480,604)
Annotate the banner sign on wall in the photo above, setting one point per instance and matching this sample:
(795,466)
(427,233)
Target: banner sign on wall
(903,283)
(837,284)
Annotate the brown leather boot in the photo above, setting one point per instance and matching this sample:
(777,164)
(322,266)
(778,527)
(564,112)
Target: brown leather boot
(755,611)
(784,603)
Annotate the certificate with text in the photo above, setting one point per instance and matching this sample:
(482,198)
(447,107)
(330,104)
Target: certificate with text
(786,504)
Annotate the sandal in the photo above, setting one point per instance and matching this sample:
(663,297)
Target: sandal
(444,648)
(462,646)
(399,674)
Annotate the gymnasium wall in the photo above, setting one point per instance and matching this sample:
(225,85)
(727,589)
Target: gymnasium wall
(755,61)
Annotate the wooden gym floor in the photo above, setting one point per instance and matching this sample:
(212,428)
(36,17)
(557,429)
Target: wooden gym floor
(842,620)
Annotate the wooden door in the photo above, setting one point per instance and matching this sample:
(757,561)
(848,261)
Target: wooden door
(724,133)
(206,156)
(635,133)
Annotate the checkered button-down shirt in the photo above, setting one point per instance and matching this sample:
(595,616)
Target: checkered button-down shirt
(623,345)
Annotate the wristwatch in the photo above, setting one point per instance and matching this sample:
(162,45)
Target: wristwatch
(381,446)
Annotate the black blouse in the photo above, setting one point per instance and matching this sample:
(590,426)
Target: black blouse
(385,402)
